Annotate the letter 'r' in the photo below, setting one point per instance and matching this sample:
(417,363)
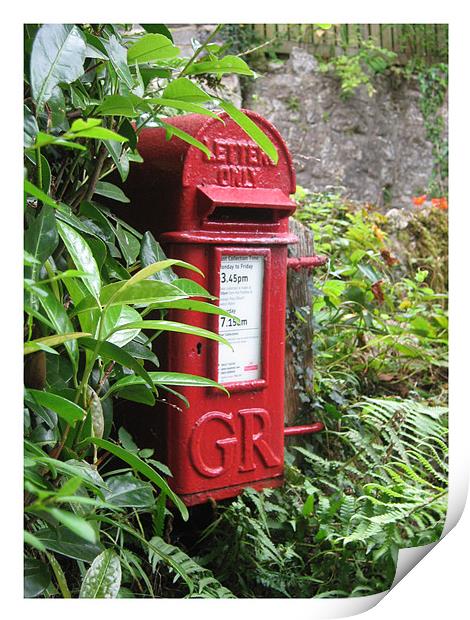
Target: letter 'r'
(252,440)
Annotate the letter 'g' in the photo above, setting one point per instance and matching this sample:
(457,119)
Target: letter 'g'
(225,444)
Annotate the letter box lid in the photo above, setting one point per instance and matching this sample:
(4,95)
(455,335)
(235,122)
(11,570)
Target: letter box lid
(213,196)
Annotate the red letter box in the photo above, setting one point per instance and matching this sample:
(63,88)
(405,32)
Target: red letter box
(228,215)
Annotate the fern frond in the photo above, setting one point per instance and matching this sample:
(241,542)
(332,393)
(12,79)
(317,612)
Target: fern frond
(200,580)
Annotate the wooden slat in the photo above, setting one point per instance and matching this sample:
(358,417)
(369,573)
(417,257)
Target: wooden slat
(364,28)
(443,36)
(283,39)
(387,36)
(375,33)
(400,48)
(344,38)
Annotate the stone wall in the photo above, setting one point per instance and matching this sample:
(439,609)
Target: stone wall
(375,147)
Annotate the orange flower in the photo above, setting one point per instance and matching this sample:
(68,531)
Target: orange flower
(377,232)
(440,203)
(418,200)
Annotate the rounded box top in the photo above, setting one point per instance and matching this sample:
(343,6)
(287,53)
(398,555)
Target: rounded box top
(236,161)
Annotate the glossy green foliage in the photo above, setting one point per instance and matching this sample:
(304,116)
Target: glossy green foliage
(90,280)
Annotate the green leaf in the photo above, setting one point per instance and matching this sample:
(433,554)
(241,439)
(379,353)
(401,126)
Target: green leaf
(151,252)
(57,56)
(120,157)
(63,541)
(116,105)
(36,577)
(193,306)
(422,327)
(173,326)
(166,378)
(51,341)
(110,351)
(77,525)
(64,408)
(175,393)
(144,292)
(117,54)
(153,268)
(158,29)
(45,139)
(171,131)
(185,106)
(184,89)
(252,130)
(97,44)
(124,224)
(114,269)
(307,508)
(48,416)
(369,272)
(125,438)
(118,315)
(30,128)
(90,128)
(65,214)
(94,213)
(127,130)
(140,351)
(151,47)
(103,578)
(30,539)
(130,245)
(32,190)
(94,52)
(99,250)
(40,240)
(46,175)
(138,394)
(191,288)
(57,110)
(136,463)
(128,491)
(82,256)
(82,124)
(150,73)
(101,133)
(57,315)
(79,97)
(110,191)
(227,64)
(59,575)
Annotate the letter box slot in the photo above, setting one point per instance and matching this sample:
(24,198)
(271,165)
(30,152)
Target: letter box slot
(242,206)
(243,215)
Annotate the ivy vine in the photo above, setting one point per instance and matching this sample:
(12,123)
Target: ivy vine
(433,82)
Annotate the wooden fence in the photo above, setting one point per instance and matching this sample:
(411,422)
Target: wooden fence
(426,41)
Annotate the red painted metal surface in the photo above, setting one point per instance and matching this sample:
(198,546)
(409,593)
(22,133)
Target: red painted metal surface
(305,429)
(306,262)
(229,212)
